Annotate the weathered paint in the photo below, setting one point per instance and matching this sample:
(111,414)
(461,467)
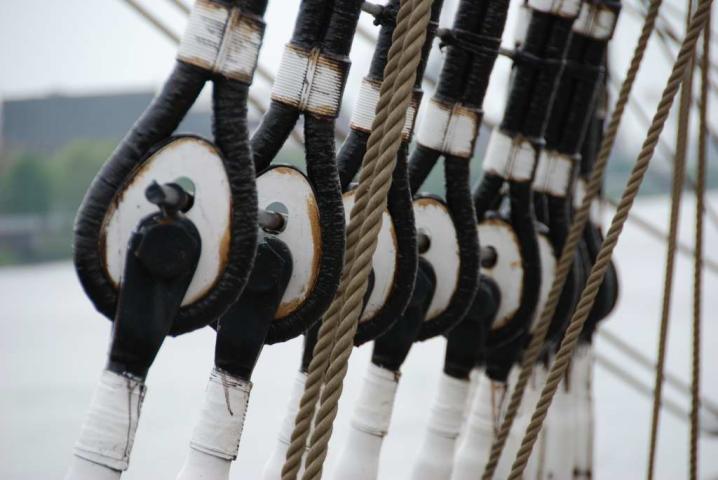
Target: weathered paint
(449,128)
(200,161)
(302,232)
(383,261)
(508,271)
(310,81)
(222,40)
(432,218)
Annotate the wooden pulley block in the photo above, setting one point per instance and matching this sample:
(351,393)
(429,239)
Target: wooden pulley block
(116,204)
(507,271)
(287,190)
(432,219)
(383,262)
(198,164)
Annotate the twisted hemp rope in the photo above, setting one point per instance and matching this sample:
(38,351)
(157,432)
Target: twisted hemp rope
(574,236)
(679,174)
(563,356)
(698,257)
(335,340)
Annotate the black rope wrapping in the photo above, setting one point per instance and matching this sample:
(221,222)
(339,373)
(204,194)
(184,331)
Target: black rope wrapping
(571,115)
(461,354)
(153,130)
(487,195)
(472,49)
(558,221)
(461,209)
(537,66)
(328,26)
(504,344)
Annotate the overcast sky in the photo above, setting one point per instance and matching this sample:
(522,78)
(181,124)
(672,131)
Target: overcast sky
(82,46)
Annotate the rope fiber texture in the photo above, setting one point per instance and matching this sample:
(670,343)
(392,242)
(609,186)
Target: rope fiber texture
(335,340)
(698,257)
(575,234)
(678,178)
(563,356)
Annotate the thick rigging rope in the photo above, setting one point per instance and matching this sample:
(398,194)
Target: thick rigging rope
(383,147)
(679,172)
(326,335)
(698,257)
(336,334)
(563,356)
(574,236)
(666,35)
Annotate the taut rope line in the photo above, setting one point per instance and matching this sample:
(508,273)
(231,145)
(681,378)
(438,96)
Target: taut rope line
(383,146)
(698,257)
(574,236)
(335,337)
(326,335)
(678,178)
(563,357)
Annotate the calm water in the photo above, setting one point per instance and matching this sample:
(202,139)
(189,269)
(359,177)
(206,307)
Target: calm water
(53,345)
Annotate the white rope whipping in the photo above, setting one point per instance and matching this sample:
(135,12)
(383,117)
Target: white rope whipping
(222,40)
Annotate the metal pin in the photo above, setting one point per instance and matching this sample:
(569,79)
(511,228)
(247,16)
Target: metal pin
(423,242)
(488,256)
(271,221)
(169,196)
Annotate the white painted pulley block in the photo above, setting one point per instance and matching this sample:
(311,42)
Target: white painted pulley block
(187,157)
(302,233)
(383,261)
(507,272)
(433,219)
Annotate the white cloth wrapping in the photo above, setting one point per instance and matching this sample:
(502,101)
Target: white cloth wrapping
(561,8)
(310,81)
(484,419)
(523,417)
(222,40)
(581,389)
(273,468)
(579,193)
(510,158)
(221,420)
(372,412)
(521,25)
(554,174)
(109,430)
(436,455)
(596,20)
(560,435)
(359,459)
(449,128)
(365,109)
